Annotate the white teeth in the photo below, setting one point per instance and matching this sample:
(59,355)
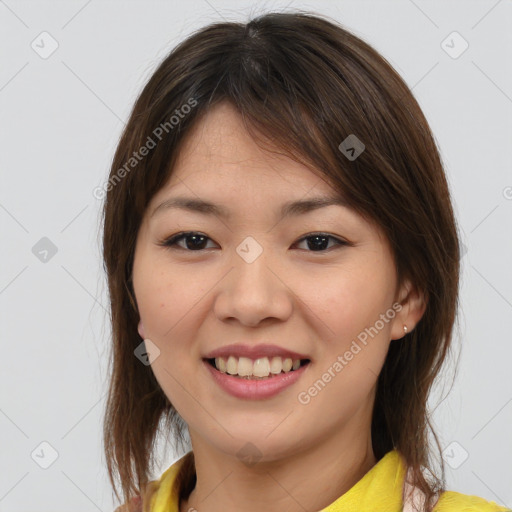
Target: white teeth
(244,366)
(276,365)
(262,367)
(221,364)
(232,365)
(287,364)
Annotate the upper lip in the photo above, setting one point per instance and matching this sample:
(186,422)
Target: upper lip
(254,352)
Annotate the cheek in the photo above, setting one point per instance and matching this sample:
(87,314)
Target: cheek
(154,305)
(170,306)
(166,307)
(349,307)
(164,300)
(346,298)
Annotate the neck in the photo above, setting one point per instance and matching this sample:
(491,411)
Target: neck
(307,480)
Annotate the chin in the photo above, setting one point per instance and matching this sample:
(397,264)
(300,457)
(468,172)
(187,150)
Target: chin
(257,449)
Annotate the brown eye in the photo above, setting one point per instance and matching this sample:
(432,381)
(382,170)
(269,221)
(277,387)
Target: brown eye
(318,242)
(193,241)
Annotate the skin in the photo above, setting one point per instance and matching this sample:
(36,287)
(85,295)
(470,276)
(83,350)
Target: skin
(313,301)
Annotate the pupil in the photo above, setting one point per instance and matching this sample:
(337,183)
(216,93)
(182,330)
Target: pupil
(317,238)
(198,241)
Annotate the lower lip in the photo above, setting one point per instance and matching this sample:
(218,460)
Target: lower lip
(255,389)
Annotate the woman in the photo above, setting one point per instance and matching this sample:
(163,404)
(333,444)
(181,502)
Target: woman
(283,268)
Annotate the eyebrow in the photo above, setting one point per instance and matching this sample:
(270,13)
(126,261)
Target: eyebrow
(290,208)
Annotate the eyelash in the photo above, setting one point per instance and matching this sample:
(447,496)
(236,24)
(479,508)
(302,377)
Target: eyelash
(170,242)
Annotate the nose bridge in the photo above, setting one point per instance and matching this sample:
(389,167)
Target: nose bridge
(253,291)
(252,261)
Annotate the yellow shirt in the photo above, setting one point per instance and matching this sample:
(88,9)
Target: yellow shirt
(380,490)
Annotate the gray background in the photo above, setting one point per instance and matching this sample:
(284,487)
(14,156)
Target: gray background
(60,119)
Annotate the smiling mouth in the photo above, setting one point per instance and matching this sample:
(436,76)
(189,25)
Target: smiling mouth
(260,369)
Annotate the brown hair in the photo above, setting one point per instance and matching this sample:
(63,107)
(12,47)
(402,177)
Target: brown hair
(304,83)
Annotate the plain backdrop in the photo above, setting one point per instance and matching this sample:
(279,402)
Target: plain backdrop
(69,74)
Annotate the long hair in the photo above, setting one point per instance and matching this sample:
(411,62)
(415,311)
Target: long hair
(305,83)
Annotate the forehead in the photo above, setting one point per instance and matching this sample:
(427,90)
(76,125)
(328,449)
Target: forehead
(219,152)
(222,171)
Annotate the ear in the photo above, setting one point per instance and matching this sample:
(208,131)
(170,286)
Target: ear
(414,304)
(141,330)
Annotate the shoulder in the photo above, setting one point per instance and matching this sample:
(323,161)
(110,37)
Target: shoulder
(155,490)
(451,501)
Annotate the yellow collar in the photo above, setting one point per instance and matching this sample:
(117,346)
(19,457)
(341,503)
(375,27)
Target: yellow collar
(380,489)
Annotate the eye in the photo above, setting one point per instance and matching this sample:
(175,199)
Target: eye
(320,241)
(195,241)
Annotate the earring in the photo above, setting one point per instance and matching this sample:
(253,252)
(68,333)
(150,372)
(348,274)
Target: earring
(405,329)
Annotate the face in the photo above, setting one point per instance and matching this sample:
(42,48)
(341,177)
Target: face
(253,277)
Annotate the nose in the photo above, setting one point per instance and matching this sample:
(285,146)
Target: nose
(254,291)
